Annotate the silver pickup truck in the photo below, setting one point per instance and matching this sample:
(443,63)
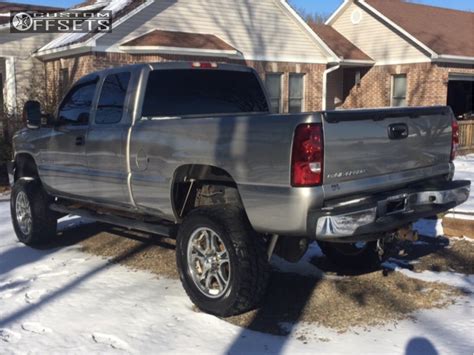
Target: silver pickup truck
(190,150)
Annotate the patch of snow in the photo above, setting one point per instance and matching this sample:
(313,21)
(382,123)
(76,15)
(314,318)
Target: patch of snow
(34,327)
(110,340)
(304,266)
(95,6)
(98,307)
(429,227)
(465,171)
(461,281)
(8,336)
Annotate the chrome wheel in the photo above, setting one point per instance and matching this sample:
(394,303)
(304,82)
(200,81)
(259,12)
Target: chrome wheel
(208,262)
(23,213)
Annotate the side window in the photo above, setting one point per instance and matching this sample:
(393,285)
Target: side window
(76,107)
(399,90)
(273,83)
(112,99)
(296,93)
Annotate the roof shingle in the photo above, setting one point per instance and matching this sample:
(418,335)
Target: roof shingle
(445,31)
(338,43)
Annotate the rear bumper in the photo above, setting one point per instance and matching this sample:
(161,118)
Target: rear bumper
(359,219)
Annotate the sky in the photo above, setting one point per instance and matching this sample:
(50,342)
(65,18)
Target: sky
(320,6)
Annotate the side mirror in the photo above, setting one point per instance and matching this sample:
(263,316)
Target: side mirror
(32,114)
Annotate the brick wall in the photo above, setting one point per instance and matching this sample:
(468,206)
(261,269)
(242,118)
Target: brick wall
(79,66)
(427,84)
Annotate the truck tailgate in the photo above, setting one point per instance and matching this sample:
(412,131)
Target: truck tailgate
(366,143)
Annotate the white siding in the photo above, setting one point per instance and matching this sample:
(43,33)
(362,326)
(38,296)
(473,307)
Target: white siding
(22,44)
(28,74)
(260,29)
(376,39)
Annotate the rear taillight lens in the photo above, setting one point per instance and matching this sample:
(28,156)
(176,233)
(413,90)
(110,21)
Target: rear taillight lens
(455,139)
(308,156)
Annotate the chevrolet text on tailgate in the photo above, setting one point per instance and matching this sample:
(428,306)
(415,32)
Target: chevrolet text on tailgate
(191,151)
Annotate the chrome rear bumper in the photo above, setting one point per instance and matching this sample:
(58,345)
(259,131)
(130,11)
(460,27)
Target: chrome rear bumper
(386,212)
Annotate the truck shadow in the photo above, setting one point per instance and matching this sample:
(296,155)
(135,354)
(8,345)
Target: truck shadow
(344,297)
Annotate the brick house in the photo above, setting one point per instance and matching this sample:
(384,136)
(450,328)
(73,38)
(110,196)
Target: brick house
(370,53)
(423,55)
(267,35)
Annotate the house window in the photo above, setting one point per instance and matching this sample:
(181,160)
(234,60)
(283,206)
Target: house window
(273,83)
(296,93)
(63,80)
(399,90)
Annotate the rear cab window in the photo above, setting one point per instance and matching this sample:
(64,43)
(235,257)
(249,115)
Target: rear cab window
(187,92)
(112,98)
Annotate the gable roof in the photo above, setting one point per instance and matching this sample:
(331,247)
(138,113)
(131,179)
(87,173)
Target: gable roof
(119,9)
(339,44)
(81,43)
(445,31)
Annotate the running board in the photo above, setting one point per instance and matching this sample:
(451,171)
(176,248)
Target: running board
(160,229)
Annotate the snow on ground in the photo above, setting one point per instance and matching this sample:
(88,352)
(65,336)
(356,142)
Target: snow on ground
(464,171)
(429,227)
(66,301)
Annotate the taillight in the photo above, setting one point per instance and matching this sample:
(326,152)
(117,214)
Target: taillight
(308,156)
(455,139)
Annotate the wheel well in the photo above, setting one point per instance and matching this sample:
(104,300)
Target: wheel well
(25,166)
(202,185)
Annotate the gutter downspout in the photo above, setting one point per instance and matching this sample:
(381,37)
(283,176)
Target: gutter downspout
(325,84)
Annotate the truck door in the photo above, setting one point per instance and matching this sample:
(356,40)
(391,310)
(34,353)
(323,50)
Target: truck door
(107,141)
(65,166)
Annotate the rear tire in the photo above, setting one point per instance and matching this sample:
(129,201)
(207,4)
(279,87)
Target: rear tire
(353,255)
(233,278)
(34,223)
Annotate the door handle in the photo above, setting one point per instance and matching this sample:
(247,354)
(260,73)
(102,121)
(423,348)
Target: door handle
(80,140)
(398,131)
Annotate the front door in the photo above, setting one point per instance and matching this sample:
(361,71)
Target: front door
(64,161)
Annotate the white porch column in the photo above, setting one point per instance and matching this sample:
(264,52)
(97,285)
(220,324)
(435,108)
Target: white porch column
(9,90)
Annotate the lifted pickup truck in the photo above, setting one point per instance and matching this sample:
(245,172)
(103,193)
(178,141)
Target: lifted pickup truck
(190,150)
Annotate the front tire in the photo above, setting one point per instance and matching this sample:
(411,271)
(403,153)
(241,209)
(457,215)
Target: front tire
(34,223)
(221,261)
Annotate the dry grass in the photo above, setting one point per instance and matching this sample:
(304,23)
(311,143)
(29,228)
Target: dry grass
(344,302)
(153,254)
(338,302)
(440,254)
